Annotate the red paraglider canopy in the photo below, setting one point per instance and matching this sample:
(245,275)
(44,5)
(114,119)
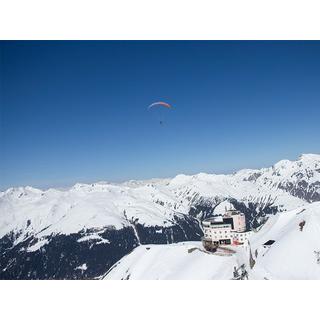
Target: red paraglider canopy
(160,103)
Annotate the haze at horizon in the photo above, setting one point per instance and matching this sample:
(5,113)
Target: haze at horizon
(77,111)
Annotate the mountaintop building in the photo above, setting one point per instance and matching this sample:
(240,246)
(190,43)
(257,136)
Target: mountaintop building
(228,229)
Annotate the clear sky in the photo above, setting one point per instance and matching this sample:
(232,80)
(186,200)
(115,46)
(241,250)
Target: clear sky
(77,111)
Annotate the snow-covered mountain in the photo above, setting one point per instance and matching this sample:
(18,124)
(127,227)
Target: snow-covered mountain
(178,261)
(294,254)
(83,231)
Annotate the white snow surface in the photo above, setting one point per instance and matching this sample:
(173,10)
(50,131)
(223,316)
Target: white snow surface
(83,267)
(93,237)
(292,256)
(172,262)
(30,211)
(37,245)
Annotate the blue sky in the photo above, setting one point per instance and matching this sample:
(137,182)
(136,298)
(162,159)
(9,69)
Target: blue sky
(77,111)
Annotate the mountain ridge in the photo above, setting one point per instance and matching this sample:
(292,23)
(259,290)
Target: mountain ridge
(102,216)
(131,182)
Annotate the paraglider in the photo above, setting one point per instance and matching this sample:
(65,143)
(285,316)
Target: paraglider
(161,105)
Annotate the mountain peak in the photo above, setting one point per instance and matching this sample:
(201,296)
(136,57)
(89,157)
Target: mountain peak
(310,157)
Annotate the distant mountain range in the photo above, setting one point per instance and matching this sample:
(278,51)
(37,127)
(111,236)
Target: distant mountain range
(81,232)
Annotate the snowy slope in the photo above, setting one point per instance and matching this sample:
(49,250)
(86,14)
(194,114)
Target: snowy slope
(292,256)
(105,216)
(154,202)
(173,261)
(33,211)
(51,234)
